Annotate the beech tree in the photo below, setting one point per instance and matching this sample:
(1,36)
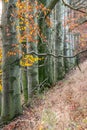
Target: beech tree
(59,44)
(11,105)
(42,46)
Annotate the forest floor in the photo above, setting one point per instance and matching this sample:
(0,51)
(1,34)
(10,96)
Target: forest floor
(63,107)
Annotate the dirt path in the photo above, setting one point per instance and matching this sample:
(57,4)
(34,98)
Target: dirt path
(63,107)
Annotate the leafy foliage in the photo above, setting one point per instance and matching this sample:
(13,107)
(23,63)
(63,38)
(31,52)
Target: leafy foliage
(27,12)
(29,60)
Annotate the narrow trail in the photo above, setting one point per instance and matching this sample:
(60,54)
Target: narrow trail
(64,107)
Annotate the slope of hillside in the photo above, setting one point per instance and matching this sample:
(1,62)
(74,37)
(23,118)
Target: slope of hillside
(64,107)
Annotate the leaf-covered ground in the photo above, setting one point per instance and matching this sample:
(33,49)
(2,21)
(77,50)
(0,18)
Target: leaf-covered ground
(64,107)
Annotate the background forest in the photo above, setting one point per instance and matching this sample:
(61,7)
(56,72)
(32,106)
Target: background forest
(41,40)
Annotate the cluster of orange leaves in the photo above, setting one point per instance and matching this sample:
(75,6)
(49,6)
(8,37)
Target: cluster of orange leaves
(26,59)
(28,13)
(15,50)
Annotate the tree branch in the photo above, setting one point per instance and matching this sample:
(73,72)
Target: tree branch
(56,56)
(71,7)
(49,54)
(52,4)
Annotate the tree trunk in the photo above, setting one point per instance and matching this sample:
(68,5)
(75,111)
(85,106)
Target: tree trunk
(51,43)
(42,47)
(11,105)
(32,74)
(59,44)
(25,84)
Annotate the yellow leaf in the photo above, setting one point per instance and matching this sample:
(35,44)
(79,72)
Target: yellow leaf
(28,60)
(0,87)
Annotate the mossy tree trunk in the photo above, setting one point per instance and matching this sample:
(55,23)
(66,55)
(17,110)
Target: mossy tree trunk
(11,105)
(42,47)
(24,80)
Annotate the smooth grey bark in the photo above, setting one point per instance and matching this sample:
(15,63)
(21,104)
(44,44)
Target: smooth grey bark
(69,51)
(66,53)
(66,41)
(23,73)
(51,49)
(72,48)
(52,4)
(59,44)
(32,72)
(76,48)
(56,44)
(69,42)
(24,78)
(11,105)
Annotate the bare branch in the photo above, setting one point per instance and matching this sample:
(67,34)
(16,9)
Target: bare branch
(48,54)
(52,4)
(71,7)
(56,56)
